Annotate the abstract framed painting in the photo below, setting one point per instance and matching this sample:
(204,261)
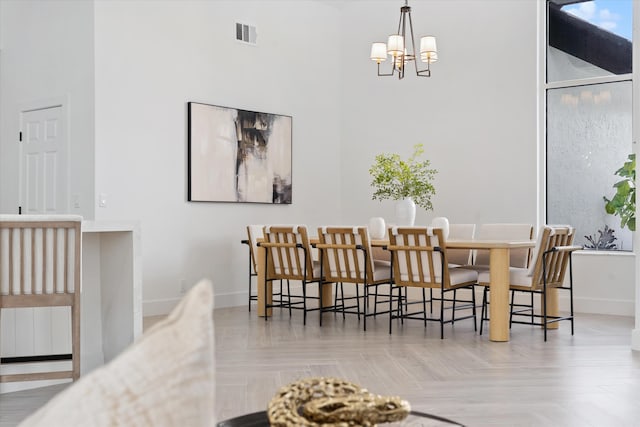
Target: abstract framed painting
(238,155)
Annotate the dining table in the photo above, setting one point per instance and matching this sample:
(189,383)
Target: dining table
(499,307)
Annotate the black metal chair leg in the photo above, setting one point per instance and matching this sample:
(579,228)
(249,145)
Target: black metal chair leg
(473,301)
(304,304)
(406,308)
(441,314)
(288,295)
(544,312)
(250,264)
(531,303)
(424,306)
(431,301)
(320,301)
(511,308)
(453,311)
(390,306)
(249,281)
(483,312)
(571,290)
(375,302)
(366,298)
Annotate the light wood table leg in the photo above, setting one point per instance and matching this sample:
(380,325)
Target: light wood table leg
(327,295)
(552,306)
(260,283)
(327,289)
(499,291)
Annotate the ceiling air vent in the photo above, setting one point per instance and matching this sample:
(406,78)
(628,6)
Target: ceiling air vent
(246,33)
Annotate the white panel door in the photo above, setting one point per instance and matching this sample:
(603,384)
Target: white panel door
(44,183)
(44,189)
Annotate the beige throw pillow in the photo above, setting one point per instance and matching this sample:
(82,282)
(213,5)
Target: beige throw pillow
(166,378)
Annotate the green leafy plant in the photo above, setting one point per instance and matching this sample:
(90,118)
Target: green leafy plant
(397,179)
(623,202)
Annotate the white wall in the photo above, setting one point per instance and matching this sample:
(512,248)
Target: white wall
(476,115)
(47,52)
(154,57)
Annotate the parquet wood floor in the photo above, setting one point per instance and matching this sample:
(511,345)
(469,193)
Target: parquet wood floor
(590,379)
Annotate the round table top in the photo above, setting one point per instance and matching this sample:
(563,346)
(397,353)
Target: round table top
(260,419)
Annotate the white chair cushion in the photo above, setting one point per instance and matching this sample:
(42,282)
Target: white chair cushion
(517,276)
(381,270)
(478,268)
(442,223)
(462,275)
(256,231)
(316,270)
(536,251)
(166,378)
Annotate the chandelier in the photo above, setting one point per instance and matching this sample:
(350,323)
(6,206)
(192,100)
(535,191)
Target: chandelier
(402,54)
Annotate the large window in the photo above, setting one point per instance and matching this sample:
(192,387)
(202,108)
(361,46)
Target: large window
(589,115)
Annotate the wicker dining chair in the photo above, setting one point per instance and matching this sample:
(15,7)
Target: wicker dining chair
(419,258)
(552,257)
(288,257)
(255,232)
(346,257)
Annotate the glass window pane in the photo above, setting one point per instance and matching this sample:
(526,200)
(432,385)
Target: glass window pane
(588,140)
(588,38)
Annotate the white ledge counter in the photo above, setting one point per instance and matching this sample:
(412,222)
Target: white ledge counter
(111,290)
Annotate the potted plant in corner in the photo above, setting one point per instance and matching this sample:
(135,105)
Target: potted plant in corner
(623,202)
(409,182)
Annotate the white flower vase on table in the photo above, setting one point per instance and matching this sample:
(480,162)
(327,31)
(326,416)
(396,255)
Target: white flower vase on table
(407,181)
(405,212)
(443,223)
(376,228)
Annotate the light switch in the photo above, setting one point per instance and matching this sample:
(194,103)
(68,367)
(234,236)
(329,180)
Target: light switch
(76,201)
(102,200)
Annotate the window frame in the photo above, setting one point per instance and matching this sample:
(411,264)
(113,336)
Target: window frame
(544,86)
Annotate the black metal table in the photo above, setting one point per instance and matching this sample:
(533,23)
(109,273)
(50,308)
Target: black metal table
(260,419)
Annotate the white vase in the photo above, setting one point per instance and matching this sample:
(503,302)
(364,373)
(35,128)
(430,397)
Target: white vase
(405,212)
(376,228)
(443,223)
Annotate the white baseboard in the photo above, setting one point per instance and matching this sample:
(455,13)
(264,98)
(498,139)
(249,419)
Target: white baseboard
(161,307)
(635,339)
(233,299)
(158,307)
(615,307)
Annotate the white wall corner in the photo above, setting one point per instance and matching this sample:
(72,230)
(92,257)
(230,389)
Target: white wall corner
(231,299)
(635,340)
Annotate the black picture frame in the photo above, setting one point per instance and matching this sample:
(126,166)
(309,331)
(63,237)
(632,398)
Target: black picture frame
(237,155)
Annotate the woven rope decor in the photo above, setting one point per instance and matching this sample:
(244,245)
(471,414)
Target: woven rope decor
(332,402)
